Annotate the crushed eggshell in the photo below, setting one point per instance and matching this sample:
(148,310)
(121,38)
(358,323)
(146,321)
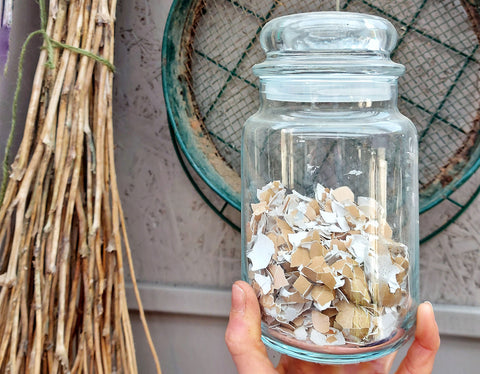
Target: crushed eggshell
(322,294)
(261,253)
(317,249)
(356,289)
(321,322)
(343,193)
(325,268)
(278,275)
(302,285)
(300,256)
(264,282)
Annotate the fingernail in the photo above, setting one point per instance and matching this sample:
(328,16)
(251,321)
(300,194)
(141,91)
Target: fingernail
(427,302)
(238,299)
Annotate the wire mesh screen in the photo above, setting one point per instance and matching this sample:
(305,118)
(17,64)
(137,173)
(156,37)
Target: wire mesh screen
(438,44)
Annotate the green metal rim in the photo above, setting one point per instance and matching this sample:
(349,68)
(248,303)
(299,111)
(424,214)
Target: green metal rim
(452,187)
(204,197)
(452,219)
(181,114)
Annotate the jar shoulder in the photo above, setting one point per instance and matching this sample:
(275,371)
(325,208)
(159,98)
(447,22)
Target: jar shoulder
(345,121)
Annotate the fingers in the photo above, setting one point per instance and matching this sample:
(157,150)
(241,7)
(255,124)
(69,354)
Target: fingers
(243,334)
(243,338)
(385,363)
(294,366)
(421,355)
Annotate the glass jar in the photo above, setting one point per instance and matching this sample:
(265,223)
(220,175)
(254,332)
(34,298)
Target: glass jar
(330,191)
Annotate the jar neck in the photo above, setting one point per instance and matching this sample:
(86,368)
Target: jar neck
(330,91)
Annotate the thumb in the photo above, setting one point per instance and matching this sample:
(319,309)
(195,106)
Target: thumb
(243,332)
(421,355)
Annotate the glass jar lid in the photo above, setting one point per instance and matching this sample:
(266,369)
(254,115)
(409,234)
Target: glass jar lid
(328,42)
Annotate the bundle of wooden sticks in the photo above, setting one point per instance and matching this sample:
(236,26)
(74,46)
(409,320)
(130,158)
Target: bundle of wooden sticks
(62,232)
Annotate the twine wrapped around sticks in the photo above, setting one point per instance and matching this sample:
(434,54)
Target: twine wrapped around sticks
(49,43)
(62,230)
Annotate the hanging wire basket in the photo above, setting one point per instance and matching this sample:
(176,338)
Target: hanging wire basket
(210,46)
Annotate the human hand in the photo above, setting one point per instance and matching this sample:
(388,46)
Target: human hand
(250,356)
